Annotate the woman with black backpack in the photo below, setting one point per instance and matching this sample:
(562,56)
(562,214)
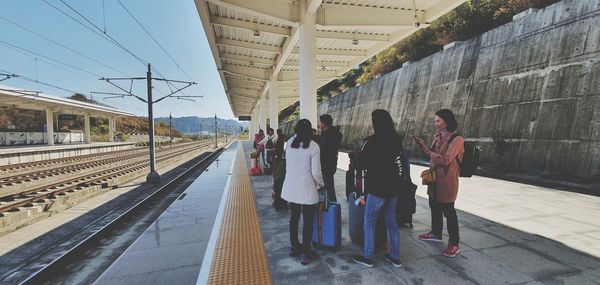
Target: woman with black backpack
(380,156)
(446,150)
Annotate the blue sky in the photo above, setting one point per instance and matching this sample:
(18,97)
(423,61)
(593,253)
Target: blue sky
(174,23)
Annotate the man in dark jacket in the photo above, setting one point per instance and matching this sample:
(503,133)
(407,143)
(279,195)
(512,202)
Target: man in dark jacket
(329,143)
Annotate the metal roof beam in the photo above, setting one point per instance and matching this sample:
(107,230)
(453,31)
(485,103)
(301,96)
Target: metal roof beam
(244,91)
(249,59)
(248,72)
(341,52)
(222,21)
(351,36)
(295,75)
(343,16)
(284,12)
(235,94)
(248,45)
(320,63)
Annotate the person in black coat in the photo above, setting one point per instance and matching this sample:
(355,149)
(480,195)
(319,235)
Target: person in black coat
(329,143)
(381,157)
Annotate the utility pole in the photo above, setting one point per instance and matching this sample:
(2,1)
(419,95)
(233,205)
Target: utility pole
(170,126)
(153,176)
(216,131)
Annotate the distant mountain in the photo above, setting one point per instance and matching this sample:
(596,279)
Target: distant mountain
(195,125)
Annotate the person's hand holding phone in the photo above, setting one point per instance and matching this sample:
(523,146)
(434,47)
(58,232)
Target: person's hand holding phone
(420,143)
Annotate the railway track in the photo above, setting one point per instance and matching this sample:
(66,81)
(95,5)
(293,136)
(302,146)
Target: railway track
(100,174)
(13,184)
(56,261)
(15,169)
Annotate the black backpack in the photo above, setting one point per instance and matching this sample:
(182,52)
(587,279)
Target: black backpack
(470,161)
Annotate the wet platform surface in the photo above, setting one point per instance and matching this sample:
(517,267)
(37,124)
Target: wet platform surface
(492,253)
(172,249)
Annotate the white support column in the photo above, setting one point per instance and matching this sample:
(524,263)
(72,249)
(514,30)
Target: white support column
(251,127)
(50,126)
(262,114)
(86,128)
(273,105)
(111,129)
(308,65)
(257,115)
(254,122)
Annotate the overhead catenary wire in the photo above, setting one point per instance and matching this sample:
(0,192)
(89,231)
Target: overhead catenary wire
(108,37)
(154,39)
(35,54)
(60,44)
(101,31)
(164,50)
(80,73)
(29,79)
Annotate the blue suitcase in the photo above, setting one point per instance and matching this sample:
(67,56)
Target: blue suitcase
(327,225)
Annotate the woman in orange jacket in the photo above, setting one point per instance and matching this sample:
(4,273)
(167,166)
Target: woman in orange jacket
(446,150)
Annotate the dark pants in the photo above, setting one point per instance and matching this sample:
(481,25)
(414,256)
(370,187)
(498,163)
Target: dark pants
(438,210)
(330,185)
(308,212)
(278,202)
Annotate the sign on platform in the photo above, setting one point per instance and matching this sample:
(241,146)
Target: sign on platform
(244,118)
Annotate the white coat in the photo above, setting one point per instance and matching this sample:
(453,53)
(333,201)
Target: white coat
(302,174)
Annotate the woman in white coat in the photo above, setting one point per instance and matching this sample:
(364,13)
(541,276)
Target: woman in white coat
(302,179)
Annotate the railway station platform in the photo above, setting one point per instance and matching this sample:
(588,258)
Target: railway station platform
(31,153)
(223,230)
(495,250)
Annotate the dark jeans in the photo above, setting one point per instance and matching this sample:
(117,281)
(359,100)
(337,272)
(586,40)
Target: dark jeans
(308,212)
(330,185)
(438,210)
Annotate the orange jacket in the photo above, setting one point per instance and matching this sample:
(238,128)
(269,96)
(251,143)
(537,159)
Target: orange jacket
(443,160)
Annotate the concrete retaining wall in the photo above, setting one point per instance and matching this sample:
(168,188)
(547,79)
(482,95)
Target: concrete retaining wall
(23,155)
(25,138)
(534,82)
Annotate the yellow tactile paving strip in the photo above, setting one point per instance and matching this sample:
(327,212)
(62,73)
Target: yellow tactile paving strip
(240,256)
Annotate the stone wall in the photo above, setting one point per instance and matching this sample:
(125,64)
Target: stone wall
(533,83)
(26,138)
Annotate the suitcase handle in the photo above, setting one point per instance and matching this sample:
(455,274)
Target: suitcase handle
(360,174)
(323,191)
(320,222)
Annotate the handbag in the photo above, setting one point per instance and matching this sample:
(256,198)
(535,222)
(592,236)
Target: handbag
(428,177)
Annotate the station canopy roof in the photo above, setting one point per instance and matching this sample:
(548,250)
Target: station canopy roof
(14,97)
(255,41)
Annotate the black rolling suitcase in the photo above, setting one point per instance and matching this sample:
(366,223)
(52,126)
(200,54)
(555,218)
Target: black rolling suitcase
(406,204)
(356,215)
